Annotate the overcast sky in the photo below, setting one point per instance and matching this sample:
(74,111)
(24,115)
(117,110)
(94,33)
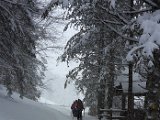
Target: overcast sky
(56,74)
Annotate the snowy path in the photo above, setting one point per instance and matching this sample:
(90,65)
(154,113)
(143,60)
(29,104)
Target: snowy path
(20,111)
(17,109)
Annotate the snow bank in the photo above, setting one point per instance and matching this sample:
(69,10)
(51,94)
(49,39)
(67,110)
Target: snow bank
(17,109)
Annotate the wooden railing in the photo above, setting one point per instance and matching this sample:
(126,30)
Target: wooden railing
(110,114)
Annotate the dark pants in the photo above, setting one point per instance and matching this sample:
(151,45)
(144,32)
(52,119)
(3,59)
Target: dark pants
(75,112)
(79,116)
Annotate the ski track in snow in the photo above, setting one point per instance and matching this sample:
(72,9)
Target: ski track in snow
(17,109)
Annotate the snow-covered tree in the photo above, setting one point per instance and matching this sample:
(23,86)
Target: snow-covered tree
(102,26)
(145,54)
(95,46)
(147,51)
(19,65)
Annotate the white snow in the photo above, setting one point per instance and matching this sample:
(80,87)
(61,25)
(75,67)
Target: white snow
(150,38)
(17,109)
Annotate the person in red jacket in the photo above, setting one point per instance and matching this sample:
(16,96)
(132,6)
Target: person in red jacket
(77,108)
(74,108)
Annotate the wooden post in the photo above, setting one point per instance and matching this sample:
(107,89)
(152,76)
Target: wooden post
(111,115)
(130,86)
(130,93)
(123,102)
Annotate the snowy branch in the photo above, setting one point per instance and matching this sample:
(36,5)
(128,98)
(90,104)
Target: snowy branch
(1,6)
(49,47)
(125,37)
(115,14)
(130,54)
(136,11)
(15,3)
(150,3)
(111,22)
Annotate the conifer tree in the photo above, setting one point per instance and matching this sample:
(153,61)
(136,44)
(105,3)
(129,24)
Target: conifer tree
(19,65)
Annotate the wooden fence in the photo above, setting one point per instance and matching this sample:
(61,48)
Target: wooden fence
(112,114)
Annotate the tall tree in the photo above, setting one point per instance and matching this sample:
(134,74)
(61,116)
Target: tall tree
(19,65)
(95,47)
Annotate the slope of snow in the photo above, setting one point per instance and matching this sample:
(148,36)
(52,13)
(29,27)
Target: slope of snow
(17,109)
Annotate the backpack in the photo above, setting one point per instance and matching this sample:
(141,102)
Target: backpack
(74,105)
(80,104)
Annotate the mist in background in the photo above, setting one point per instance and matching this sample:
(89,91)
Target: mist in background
(56,72)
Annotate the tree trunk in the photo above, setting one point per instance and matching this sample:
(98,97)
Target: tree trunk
(101,62)
(130,93)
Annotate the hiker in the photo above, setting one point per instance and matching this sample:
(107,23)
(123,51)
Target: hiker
(74,108)
(80,108)
(77,108)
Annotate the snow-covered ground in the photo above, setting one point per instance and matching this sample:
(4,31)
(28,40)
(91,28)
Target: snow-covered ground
(17,109)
